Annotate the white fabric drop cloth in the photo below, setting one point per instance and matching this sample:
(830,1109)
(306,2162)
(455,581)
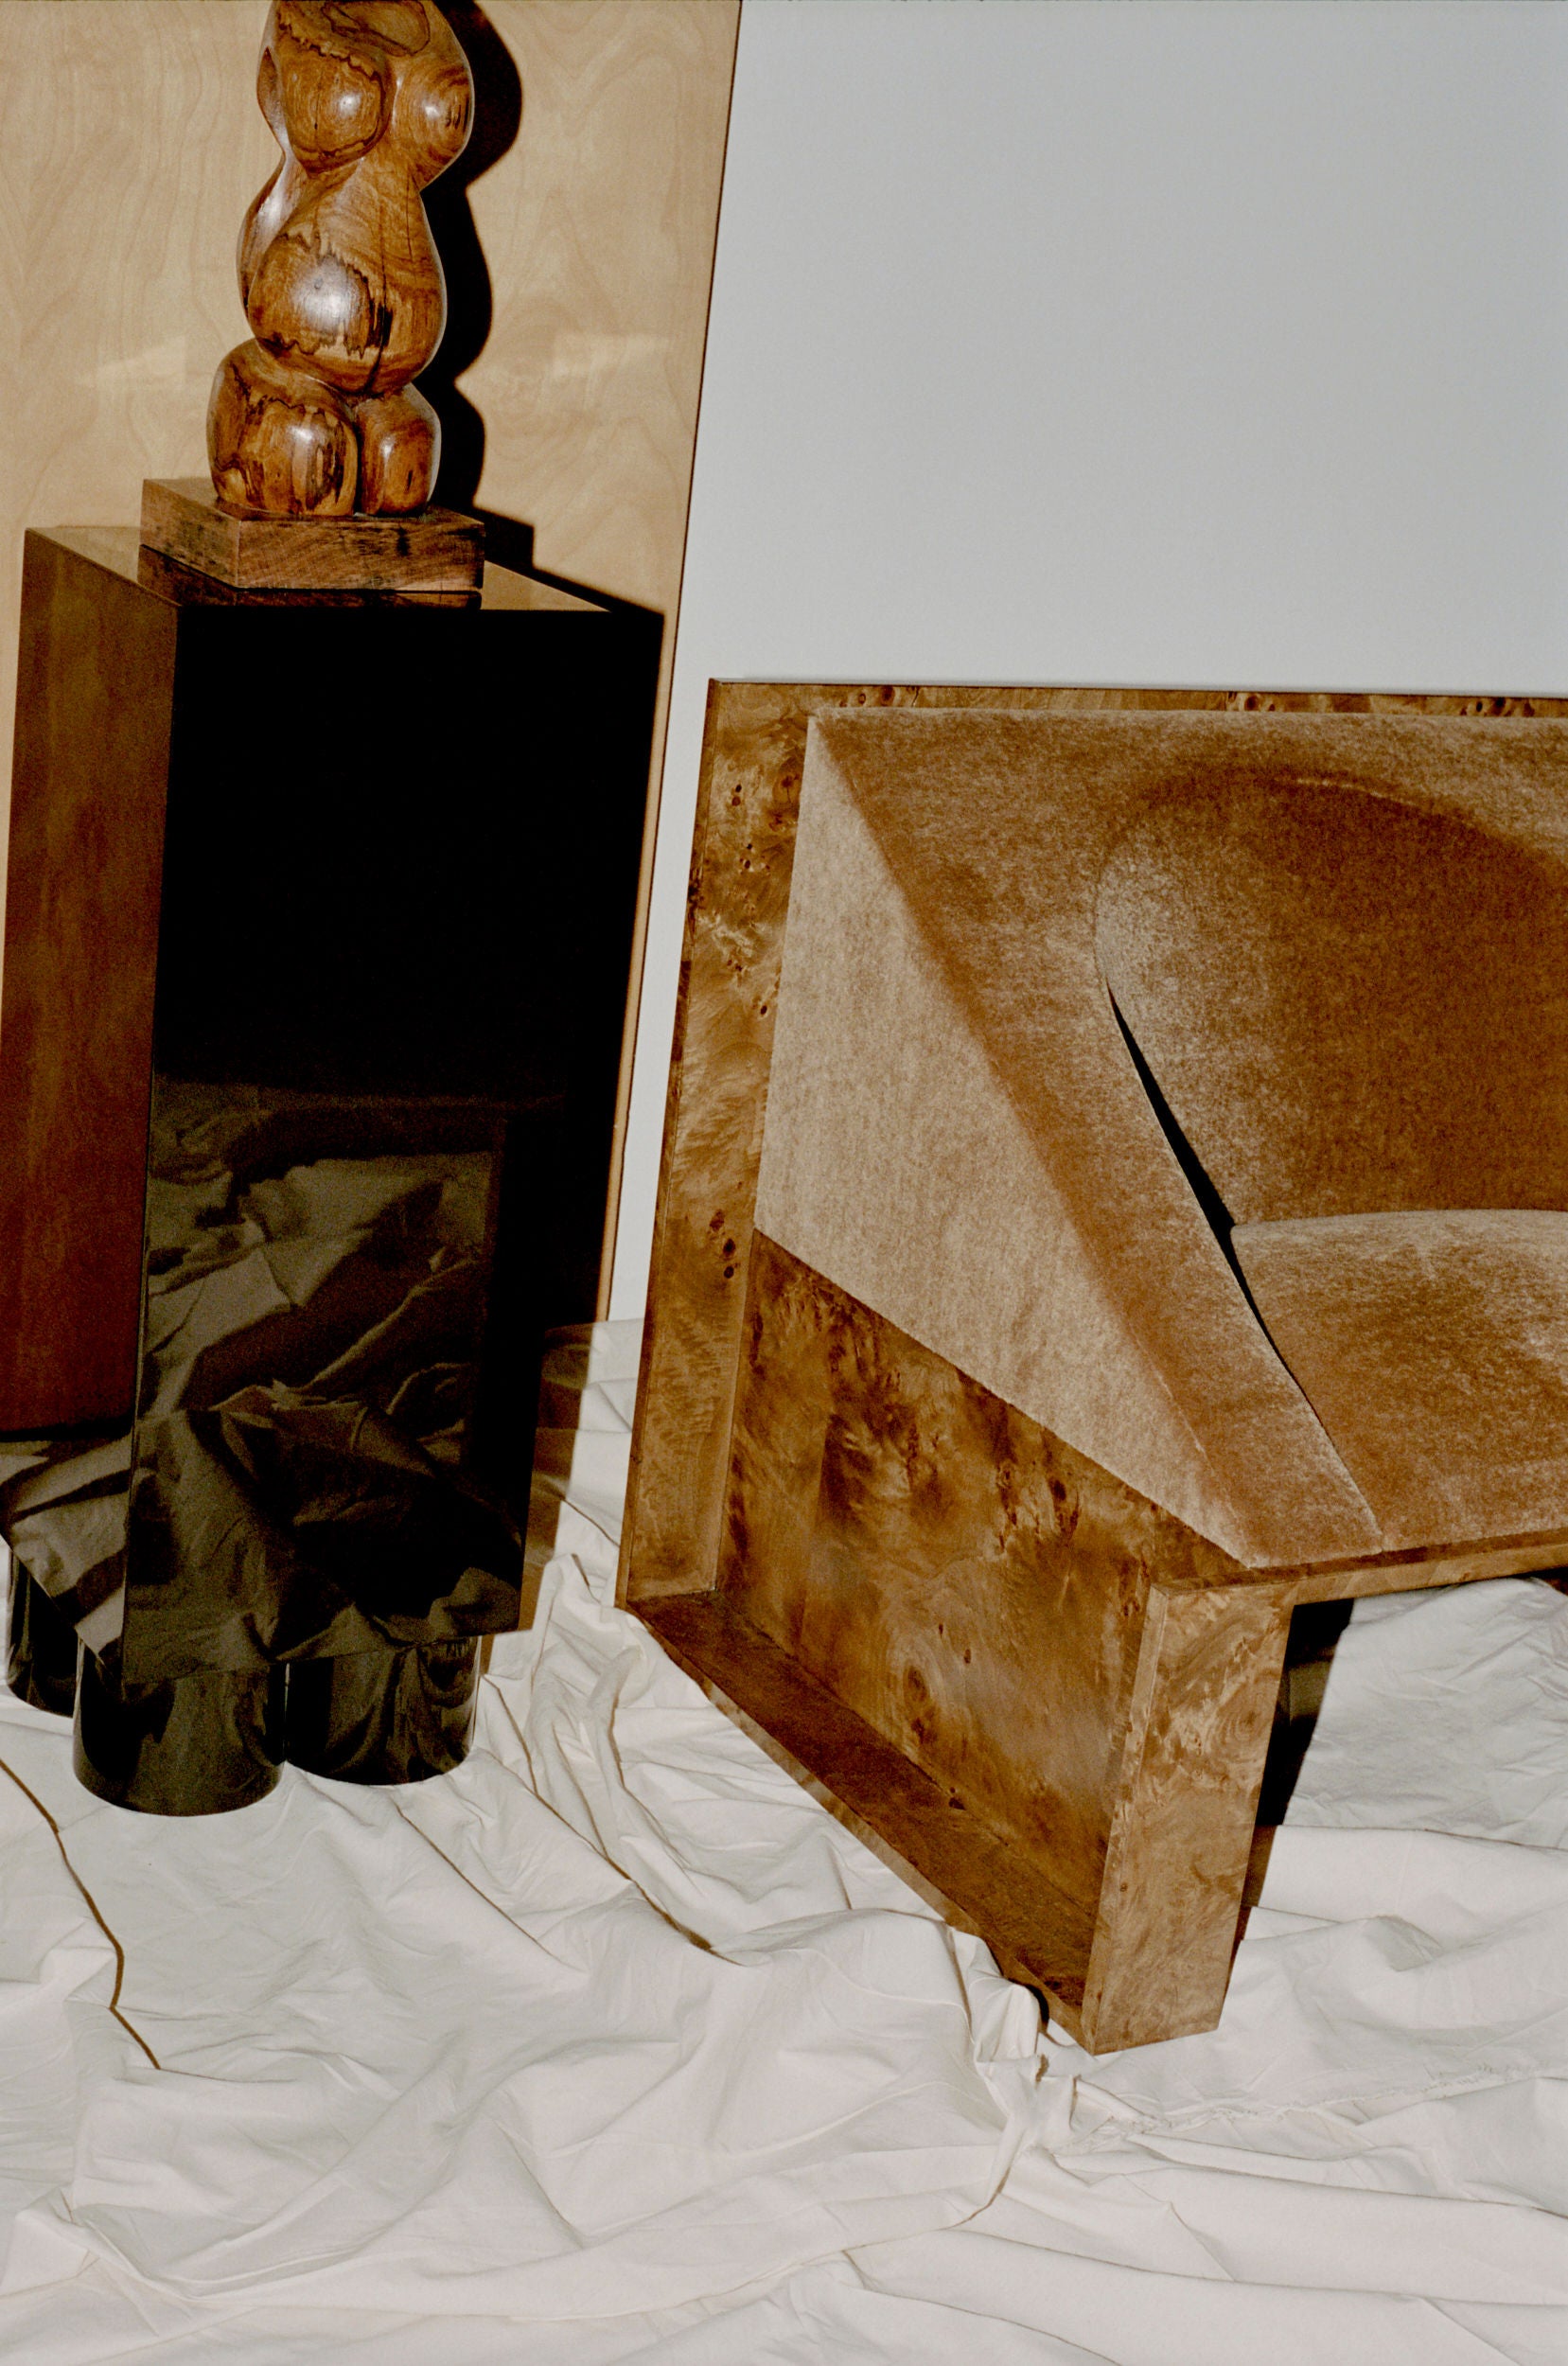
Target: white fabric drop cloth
(613,2046)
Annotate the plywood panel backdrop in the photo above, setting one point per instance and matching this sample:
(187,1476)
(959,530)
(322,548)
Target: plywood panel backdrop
(130,147)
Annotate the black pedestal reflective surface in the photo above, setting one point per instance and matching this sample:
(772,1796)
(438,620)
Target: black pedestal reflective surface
(383,1717)
(195,1746)
(374,1012)
(41,1648)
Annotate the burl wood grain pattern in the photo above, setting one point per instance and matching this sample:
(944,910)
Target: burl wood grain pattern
(919,1827)
(985,1652)
(315,417)
(76,1030)
(965,1583)
(434,550)
(1051,1652)
(1191,1751)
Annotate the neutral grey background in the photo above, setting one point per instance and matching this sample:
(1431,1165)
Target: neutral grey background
(1205,342)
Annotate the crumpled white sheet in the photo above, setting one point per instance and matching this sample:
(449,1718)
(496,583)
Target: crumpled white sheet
(614,2046)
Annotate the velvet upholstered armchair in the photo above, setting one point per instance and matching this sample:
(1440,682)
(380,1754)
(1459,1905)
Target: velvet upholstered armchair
(1154,1217)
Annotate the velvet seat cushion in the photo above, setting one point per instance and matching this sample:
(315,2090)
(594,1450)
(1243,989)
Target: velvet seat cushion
(1432,1346)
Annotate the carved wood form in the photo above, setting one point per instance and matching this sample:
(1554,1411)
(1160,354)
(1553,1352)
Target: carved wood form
(1041,1698)
(315,417)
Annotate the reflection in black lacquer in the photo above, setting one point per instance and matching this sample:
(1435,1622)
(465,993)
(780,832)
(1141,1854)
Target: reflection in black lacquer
(303,1492)
(341,888)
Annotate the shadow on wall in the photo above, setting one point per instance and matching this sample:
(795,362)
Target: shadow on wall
(498,114)
(499,101)
(583,1182)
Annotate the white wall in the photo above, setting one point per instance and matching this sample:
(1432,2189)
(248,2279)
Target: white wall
(1205,342)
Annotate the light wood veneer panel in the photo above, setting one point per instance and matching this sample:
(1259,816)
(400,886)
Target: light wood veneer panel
(75,1033)
(130,148)
(598,227)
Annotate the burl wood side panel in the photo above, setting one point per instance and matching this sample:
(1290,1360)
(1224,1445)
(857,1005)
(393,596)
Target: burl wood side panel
(962,1580)
(920,1826)
(737,906)
(75,1018)
(1042,1699)
(1035,1691)
(1191,1770)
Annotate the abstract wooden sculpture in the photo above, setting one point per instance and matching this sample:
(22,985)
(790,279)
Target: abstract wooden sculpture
(315,417)
(1149,1217)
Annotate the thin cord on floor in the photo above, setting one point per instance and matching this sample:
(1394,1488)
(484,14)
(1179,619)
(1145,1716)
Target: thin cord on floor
(90,1904)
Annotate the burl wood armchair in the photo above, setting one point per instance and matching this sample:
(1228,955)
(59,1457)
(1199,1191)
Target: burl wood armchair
(1144,1156)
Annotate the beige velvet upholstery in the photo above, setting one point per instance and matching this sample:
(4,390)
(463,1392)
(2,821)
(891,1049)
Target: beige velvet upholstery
(1348,1004)
(1339,943)
(1434,1347)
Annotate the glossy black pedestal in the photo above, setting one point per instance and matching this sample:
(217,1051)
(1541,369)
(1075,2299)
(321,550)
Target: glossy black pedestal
(41,1648)
(194,1746)
(382,1717)
(318,938)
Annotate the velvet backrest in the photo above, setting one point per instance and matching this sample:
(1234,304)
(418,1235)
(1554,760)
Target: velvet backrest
(1349,1004)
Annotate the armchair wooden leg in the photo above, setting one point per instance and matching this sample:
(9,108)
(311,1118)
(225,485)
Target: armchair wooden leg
(1184,1810)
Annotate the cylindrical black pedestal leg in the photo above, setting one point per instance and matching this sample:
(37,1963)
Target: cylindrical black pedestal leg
(191,1747)
(383,1717)
(40,1647)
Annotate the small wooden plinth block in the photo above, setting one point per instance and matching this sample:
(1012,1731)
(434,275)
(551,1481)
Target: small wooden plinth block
(429,550)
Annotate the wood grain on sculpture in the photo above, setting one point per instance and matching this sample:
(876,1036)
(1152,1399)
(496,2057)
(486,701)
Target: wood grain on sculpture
(315,420)
(1115,1194)
(316,417)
